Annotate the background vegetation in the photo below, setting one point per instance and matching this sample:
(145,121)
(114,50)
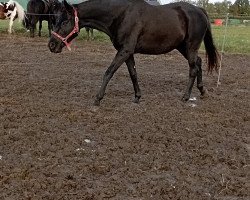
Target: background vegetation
(237,37)
(237,9)
(240,8)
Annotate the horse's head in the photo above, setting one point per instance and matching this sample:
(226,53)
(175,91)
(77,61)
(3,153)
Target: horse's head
(9,8)
(65,30)
(2,9)
(55,8)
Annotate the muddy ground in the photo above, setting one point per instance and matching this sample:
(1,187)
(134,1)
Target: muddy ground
(54,144)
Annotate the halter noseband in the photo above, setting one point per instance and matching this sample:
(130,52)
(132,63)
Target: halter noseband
(75,30)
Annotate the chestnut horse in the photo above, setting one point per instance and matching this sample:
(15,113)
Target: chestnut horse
(2,9)
(11,10)
(137,27)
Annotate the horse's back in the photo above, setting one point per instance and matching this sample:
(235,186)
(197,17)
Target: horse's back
(35,7)
(168,26)
(162,28)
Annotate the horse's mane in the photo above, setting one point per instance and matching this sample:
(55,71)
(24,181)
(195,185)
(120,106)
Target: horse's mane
(19,10)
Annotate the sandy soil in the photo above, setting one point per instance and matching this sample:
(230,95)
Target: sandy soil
(54,144)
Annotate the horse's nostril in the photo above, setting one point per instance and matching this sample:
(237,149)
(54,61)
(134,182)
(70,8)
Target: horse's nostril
(52,45)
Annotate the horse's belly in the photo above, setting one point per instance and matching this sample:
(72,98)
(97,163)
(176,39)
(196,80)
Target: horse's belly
(154,50)
(158,44)
(155,47)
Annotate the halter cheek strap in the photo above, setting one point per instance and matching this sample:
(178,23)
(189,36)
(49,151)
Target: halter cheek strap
(75,30)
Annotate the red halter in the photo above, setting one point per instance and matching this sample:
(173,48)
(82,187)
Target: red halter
(75,30)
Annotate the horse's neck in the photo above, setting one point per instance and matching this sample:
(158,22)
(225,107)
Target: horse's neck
(96,14)
(45,2)
(46,6)
(19,11)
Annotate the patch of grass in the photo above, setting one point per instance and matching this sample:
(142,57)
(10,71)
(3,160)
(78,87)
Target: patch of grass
(19,29)
(237,37)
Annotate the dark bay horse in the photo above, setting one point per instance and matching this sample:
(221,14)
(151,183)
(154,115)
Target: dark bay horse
(137,27)
(38,11)
(55,10)
(89,30)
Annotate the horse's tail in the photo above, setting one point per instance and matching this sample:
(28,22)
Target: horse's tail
(212,53)
(26,21)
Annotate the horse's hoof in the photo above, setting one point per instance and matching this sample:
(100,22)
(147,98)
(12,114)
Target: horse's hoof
(96,103)
(136,100)
(185,98)
(204,94)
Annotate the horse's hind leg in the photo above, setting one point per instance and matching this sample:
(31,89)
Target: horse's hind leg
(193,71)
(32,31)
(92,33)
(87,31)
(40,27)
(33,22)
(49,26)
(199,77)
(130,62)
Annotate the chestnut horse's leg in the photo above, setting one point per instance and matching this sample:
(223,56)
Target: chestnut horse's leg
(119,59)
(130,62)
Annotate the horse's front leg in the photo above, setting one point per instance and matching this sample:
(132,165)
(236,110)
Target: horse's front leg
(49,26)
(200,86)
(130,62)
(119,59)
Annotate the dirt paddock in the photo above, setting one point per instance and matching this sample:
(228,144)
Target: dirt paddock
(54,144)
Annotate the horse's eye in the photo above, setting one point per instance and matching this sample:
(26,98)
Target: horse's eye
(64,23)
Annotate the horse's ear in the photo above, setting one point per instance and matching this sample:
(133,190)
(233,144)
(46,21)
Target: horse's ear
(68,7)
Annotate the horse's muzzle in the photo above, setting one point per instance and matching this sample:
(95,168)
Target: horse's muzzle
(54,47)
